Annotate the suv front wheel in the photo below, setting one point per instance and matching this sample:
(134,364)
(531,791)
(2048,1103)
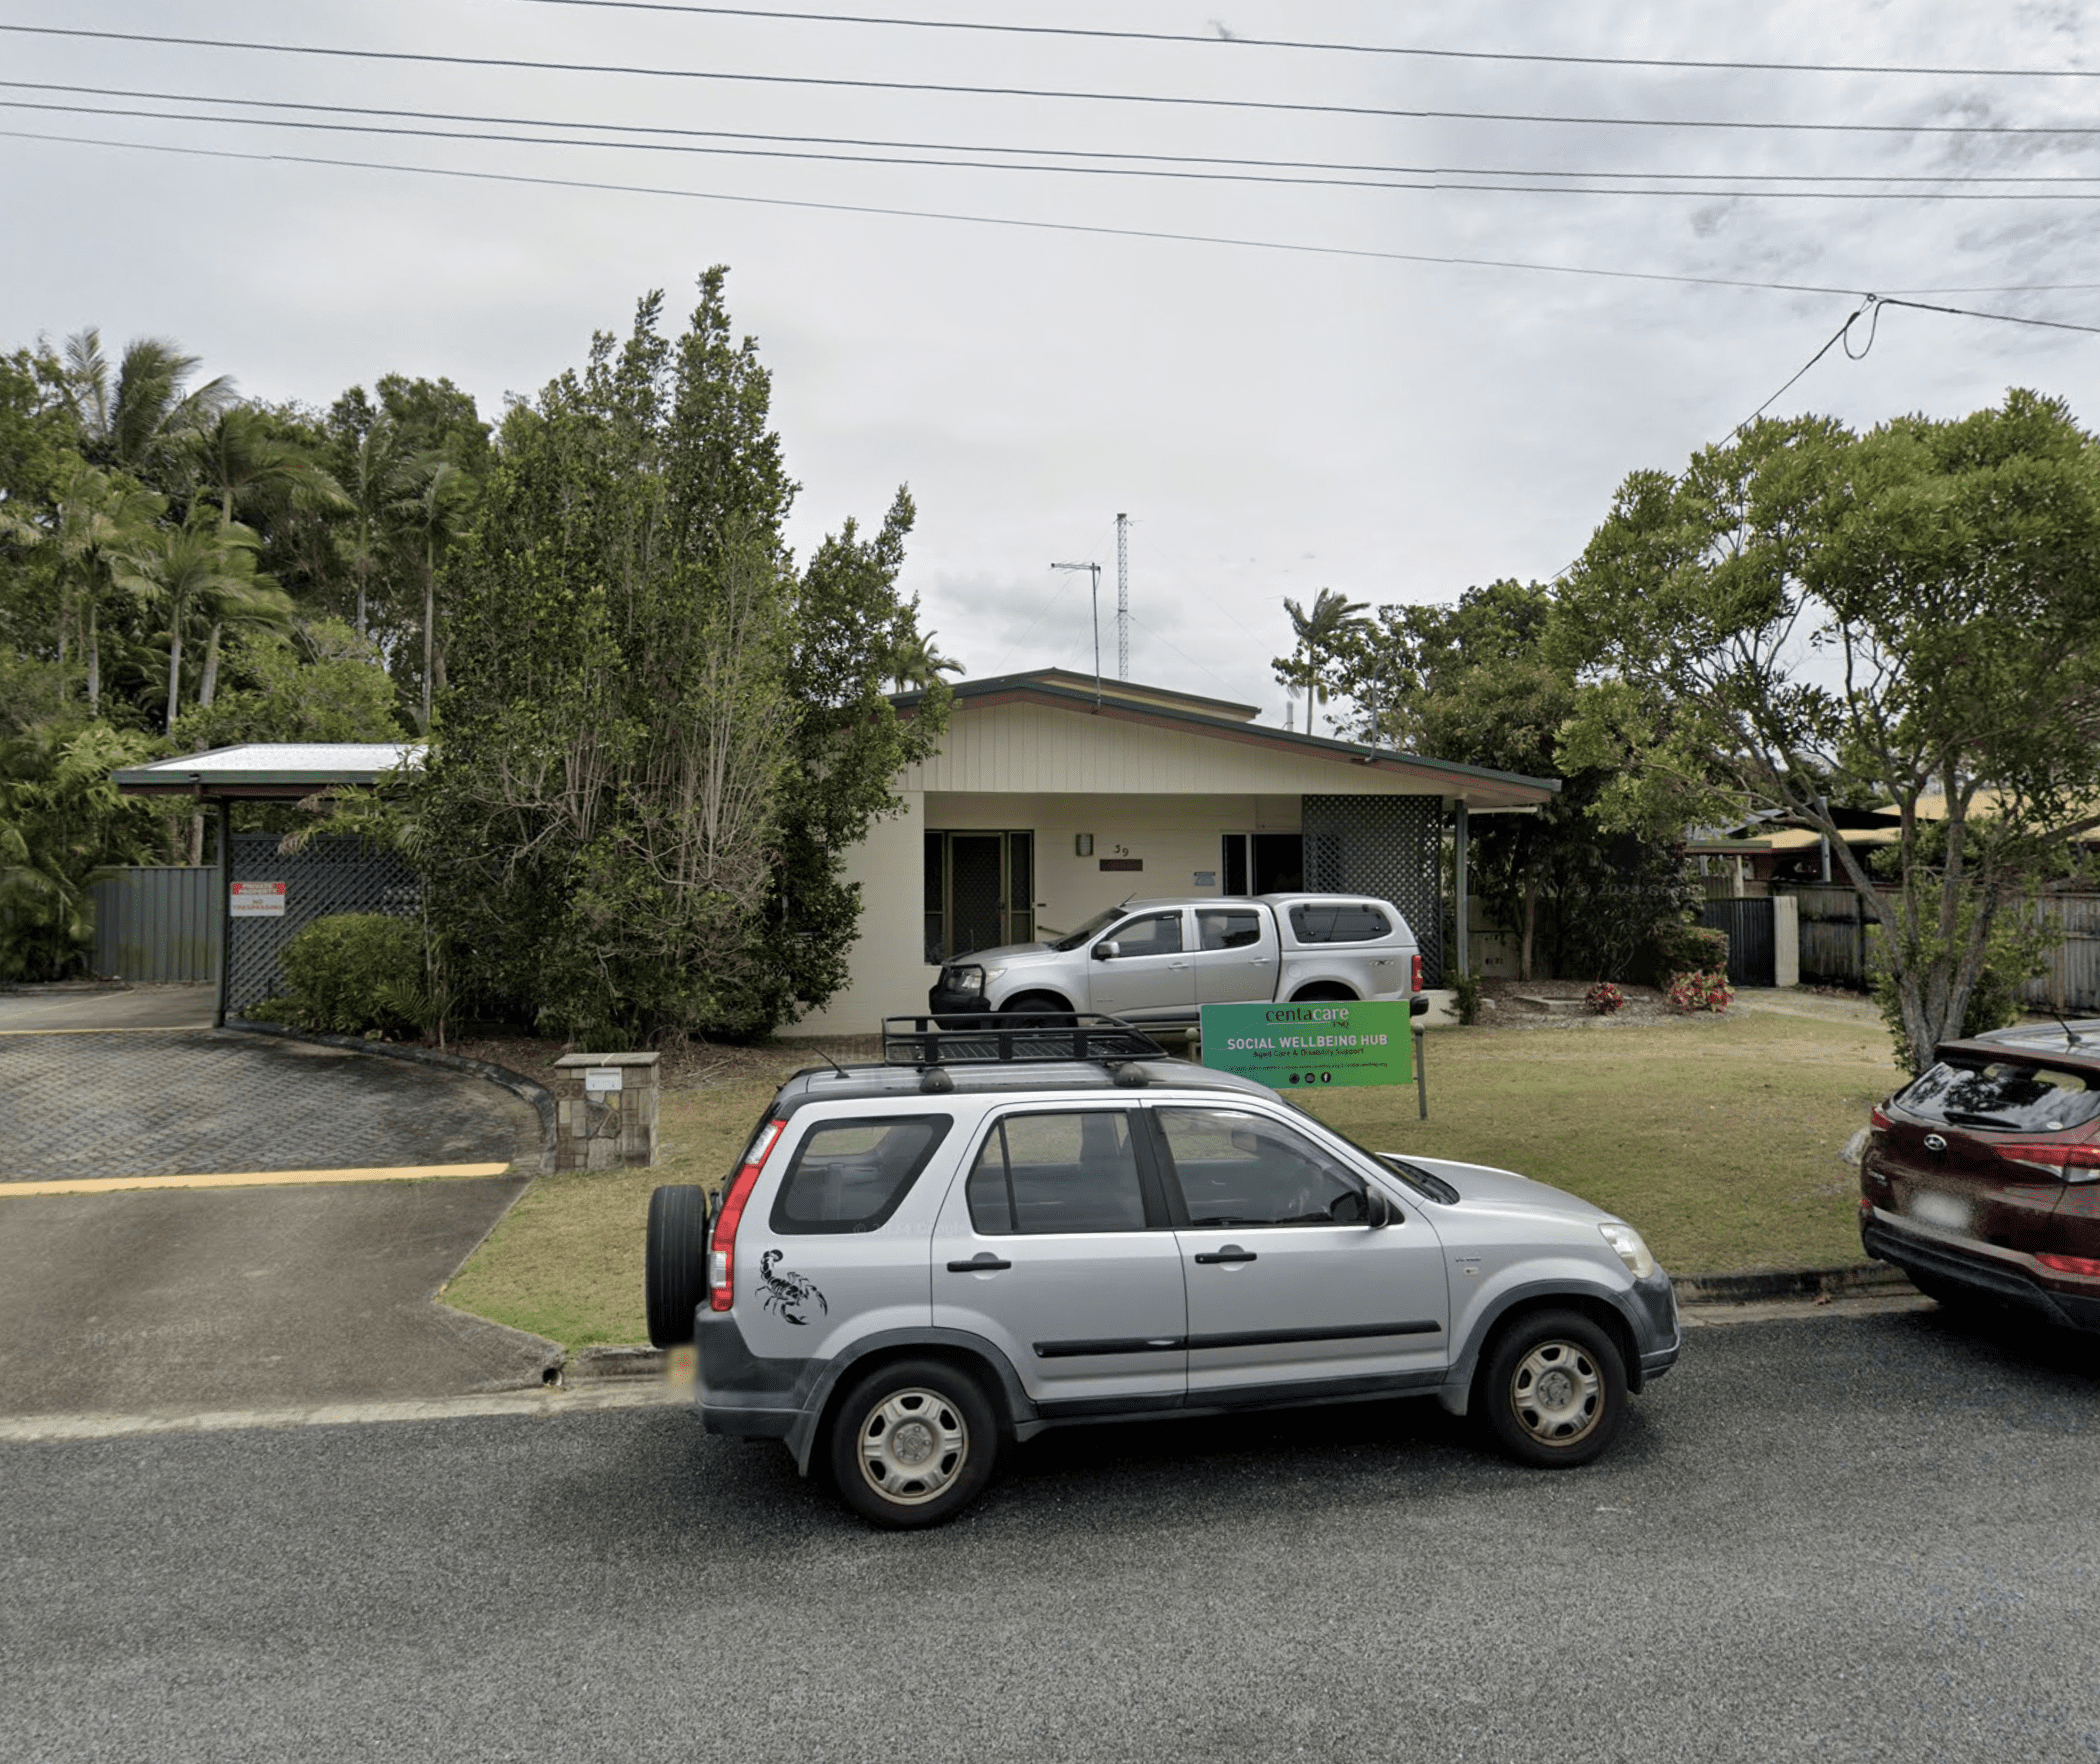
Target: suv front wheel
(1554,1390)
(912,1444)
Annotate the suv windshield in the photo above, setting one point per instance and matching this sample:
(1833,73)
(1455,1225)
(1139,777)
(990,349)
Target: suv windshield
(1971,1092)
(1099,923)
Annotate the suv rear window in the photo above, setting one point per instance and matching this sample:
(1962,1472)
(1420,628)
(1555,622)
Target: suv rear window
(2002,1093)
(1344,922)
(852,1175)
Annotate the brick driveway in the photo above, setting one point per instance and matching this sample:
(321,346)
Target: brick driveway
(193,1102)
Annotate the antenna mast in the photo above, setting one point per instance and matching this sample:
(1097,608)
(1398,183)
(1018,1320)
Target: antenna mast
(1094,570)
(1122,597)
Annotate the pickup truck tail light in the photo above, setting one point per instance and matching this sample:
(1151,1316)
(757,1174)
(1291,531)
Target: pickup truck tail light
(1414,974)
(721,1258)
(2069,1264)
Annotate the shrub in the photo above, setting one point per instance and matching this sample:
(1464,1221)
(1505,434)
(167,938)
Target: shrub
(1466,991)
(357,974)
(1604,998)
(1697,991)
(1684,948)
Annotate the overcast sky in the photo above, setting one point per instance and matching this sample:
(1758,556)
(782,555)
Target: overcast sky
(1274,421)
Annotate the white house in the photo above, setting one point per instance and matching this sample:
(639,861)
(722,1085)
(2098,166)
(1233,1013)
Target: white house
(1047,803)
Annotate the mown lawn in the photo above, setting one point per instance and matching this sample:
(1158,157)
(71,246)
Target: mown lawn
(1718,1138)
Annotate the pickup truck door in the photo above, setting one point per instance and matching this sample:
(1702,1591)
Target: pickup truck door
(1152,974)
(1236,954)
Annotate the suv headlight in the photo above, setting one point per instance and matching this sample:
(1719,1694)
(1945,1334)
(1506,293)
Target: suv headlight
(966,979)
(1626,1241)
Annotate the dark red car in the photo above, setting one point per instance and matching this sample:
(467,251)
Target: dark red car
(1981,1179)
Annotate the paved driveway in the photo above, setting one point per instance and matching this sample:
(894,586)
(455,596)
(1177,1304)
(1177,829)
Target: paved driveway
(180,1102)
(201,1298)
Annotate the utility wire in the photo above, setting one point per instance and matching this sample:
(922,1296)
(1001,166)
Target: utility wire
(1045,226)
(1273,106)
(1461,183)
(1232,39)
(990,220)
(1122,159)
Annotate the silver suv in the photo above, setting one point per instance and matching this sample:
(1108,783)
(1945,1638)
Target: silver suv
(1009,1228)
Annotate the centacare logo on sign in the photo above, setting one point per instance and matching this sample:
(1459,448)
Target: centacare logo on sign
(257,900)
(1292,1046)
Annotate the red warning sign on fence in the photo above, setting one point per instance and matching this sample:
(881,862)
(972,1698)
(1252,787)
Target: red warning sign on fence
(258,900)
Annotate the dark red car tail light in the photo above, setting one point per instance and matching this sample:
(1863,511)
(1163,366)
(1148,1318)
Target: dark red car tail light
(1414,975)
(721,1261)
(2052,1155)
(1878,1119)
(2070,1264)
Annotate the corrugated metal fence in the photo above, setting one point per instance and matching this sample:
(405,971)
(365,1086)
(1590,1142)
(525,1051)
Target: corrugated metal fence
(158,924)
(1835,925)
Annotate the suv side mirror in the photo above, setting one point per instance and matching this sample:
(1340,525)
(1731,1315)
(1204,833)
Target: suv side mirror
(1107,952)
(1379,1210)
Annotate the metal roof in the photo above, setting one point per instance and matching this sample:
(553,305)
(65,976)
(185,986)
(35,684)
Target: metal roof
(285,770)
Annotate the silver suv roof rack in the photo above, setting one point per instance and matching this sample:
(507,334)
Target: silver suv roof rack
(1014,1038)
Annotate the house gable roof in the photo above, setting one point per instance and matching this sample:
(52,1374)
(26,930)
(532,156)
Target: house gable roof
(1385,771)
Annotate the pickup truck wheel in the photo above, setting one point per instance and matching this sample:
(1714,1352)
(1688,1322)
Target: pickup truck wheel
(1553,1391)
(913,1444)
(674,1262)
(1325,994)
(1035,1010)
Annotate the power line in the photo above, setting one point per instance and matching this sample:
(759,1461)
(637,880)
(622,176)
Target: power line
(1463,182)
(1229,39)
(1124,161)
(1150,233)
(1268,105)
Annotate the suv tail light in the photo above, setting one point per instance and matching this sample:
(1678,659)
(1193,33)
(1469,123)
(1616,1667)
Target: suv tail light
(1878,1119)
(2056,1157)
(721,1258)
(1414,973)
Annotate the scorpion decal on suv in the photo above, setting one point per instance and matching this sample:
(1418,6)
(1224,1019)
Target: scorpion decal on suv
(787,1293)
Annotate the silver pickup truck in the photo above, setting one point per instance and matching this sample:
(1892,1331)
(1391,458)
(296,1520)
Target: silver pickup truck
(1160,961)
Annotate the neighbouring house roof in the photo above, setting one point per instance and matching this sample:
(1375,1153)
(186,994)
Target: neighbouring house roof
(282,770)
(1148,707)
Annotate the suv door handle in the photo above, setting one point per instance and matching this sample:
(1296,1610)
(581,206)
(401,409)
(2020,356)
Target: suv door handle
(984,1262)
(1230,1253)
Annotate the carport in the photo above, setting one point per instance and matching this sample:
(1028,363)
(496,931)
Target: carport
(264,896)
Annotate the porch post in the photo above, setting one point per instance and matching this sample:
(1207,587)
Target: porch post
(1460,836)
(218,1015)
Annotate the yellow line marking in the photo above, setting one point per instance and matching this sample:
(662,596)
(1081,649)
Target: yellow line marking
(253,1179)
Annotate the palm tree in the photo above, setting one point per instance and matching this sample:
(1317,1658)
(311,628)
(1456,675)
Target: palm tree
(369,486)
(137,420)
(207,564)
(916,662)
(98,524)
(239,461)
(432,499)
(1322,634)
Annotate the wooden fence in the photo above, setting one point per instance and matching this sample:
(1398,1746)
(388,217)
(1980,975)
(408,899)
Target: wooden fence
(1834,936)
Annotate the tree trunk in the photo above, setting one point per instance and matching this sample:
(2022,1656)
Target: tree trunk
(1531,920)
(209,685)
(174,668)
(429,614)
(94,662)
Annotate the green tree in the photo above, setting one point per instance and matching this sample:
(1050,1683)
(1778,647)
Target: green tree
(1474,683)
(139,418)
(917,663)
(1324,636)
(63,825)
(1914,612)
(433,499)
(315,681)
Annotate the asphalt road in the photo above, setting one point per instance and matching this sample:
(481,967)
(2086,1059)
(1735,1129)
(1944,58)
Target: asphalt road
(1869,1538)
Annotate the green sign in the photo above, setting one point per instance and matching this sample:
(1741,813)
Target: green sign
(1292,1046)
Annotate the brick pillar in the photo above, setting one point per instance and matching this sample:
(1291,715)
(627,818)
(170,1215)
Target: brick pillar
(605,1110)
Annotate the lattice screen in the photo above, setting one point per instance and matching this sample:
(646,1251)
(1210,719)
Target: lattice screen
(329,876)
(1387,846)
